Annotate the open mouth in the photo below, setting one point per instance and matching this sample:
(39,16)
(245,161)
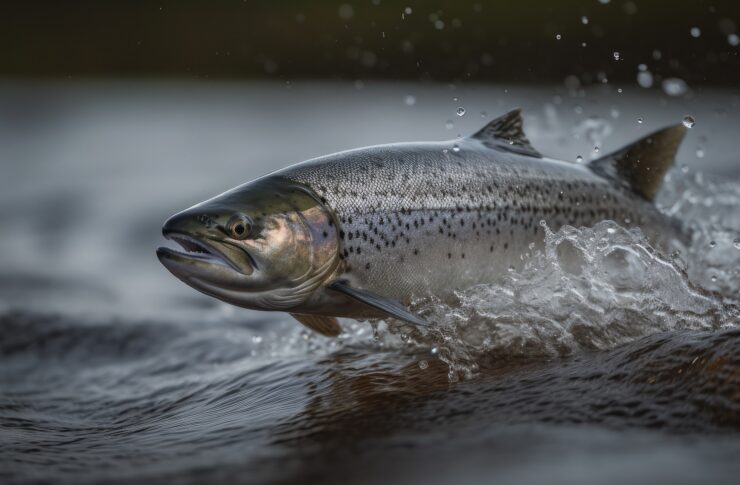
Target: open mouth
(209,251)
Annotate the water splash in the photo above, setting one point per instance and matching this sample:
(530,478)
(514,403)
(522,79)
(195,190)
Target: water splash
(595,288)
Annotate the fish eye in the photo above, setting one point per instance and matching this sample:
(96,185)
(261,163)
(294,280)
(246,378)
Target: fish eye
(239,226)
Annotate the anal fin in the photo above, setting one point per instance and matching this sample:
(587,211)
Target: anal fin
(389,307)
(328,326)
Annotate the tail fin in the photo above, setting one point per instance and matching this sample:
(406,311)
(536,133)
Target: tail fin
(641,165)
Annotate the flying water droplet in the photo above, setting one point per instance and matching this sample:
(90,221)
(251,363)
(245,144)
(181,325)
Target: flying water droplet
(689,121)
(700,152)
(579,159)
(423,364)
(558,36)
(736,243)
(460,111)
(409,100)
(640,120)
(584,20)
(712,244)
(695,32)
(674,86)
(596,149)
(616,55)
(645,79)
(483,114)
(733,40)
(684,169)
(449,124)
(455,148)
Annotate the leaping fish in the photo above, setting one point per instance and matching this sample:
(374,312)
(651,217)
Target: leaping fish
(358,233)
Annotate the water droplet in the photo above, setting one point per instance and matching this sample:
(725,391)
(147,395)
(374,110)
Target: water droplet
(674,86)
(616,55)
(619,90)
(558,36)
(695,32)
(460,111)
(684,168)
(610,230)
(645,79)
(733,40)
(579,159)
(483,114)
(604,2)
(423,364)
(449,124)
(434,350)
(346,11)
(640,120)
(689,121)
(714,278)
(455,99)
(455,148)
(408,11)
(642,67)
(700,152)
(736,243)
(712,244)
(596,149)
(584,20)
(583,44)
(614,112)
(409,100)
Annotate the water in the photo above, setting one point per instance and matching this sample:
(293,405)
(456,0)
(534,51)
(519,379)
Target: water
(602,359)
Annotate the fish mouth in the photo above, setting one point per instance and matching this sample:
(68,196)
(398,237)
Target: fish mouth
(207,251)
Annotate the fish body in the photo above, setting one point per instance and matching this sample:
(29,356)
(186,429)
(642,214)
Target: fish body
(393,222)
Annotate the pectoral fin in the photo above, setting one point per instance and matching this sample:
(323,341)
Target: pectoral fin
(328,326)
(387,306)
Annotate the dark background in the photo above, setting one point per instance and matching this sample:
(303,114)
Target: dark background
(442,41)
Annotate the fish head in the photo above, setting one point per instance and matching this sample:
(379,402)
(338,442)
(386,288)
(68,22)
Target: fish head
(267,245)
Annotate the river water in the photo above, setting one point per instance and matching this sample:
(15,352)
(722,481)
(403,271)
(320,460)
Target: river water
(601,360)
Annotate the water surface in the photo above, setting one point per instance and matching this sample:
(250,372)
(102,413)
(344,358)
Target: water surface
(625,366)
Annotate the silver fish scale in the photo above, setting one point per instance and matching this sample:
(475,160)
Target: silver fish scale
(428,218)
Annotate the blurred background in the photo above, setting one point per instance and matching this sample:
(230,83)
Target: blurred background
(115,115)
(528,41)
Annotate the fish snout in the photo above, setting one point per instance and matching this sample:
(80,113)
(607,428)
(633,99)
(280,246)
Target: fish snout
(188,223)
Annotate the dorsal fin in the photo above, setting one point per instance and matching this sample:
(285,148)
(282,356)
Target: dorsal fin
(507,133)
(641,165)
